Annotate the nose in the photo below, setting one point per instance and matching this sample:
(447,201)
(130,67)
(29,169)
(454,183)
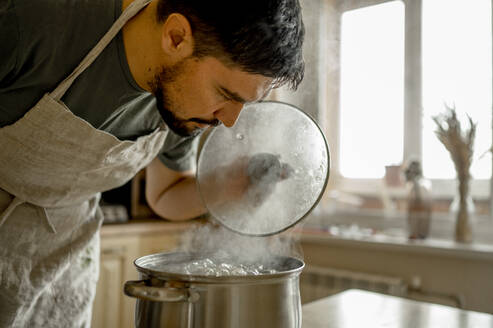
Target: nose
(229,113)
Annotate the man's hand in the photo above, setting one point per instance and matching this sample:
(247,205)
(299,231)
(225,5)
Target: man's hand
(247,179)
(264,171)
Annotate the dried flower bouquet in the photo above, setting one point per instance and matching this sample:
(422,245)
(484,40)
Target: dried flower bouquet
(460,145)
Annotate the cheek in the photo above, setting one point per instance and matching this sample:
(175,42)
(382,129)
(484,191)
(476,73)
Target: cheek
(182,98)
(198,99)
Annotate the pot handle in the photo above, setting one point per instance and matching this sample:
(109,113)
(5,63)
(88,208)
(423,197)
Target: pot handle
(139,289)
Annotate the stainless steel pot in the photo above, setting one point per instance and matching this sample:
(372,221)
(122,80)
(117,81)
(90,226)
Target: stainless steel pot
(168,299)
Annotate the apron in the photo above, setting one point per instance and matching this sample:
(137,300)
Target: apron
(53,166)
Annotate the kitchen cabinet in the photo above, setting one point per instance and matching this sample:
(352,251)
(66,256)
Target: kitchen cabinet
(157,243)
(110,308)
(121,244)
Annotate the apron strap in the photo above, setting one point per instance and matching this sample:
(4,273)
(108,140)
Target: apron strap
(16,202)
(6,213)
(127,14)
(42,211)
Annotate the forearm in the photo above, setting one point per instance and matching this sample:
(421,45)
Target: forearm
(179,202)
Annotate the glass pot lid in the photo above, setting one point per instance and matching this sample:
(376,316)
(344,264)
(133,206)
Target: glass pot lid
(267,172)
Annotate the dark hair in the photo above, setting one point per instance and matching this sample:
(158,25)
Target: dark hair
(258,36)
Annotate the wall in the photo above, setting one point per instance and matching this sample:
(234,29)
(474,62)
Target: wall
(466,278)
(311,94)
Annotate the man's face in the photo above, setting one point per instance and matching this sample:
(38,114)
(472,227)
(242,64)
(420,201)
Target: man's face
(196,93)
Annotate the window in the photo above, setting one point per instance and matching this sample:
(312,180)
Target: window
(457,70)
(400,62)
(372,89)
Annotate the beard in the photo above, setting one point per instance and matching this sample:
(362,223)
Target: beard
(178,125)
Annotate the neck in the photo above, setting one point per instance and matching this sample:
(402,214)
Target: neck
(141,38)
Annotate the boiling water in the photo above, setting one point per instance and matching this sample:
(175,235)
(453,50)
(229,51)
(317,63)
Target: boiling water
(217,268)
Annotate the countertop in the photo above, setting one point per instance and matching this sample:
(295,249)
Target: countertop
(150,225)
(357,308)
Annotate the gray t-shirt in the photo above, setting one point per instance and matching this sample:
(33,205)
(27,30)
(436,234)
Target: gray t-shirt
(42,41)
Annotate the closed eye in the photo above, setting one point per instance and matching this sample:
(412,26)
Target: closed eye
(226,97)
(231,96)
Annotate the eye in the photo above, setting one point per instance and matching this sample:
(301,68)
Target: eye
(222,95)
(227,98)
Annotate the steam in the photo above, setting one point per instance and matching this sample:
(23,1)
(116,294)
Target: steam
(259,177)
(218,243)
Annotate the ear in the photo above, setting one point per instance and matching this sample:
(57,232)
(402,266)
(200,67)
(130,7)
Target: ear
(176,37)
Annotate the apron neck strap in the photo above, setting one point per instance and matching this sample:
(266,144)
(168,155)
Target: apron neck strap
(129,12)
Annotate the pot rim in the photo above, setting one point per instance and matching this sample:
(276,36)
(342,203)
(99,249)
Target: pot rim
(173,276)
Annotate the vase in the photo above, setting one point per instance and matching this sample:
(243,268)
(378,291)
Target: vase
(463,209)
(419,208)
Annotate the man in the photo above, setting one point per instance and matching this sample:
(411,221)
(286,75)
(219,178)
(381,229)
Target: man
(72,126)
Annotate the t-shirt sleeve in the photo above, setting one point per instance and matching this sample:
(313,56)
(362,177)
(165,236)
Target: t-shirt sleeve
(9,40)
(179,155)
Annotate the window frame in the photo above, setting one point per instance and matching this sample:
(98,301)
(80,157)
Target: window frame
(412,148)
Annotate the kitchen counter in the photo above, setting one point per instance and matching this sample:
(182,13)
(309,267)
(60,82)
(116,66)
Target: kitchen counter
(373,229)
(357,308)
(145,226)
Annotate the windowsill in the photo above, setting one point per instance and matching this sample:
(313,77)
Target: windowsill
(441,188)
(371,229)
(396,244)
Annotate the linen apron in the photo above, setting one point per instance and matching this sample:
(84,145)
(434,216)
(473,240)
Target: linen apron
(53,166)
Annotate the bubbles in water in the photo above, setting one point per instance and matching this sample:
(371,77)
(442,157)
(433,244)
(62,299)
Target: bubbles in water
(239,254)
(214,267)
(240,136)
